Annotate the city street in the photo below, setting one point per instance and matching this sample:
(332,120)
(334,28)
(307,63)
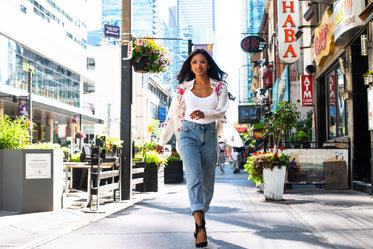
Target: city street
(239,218)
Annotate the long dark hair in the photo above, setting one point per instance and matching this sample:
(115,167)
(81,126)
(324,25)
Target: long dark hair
(214,72)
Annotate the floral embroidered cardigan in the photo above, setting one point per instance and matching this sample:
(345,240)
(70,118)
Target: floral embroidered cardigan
(176,112)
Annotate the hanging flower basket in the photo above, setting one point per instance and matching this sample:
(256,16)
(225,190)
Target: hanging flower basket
(139,66)
(149,56)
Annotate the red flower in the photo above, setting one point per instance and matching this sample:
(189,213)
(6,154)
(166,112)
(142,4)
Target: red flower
(282,148)
(275,155)
(255,153)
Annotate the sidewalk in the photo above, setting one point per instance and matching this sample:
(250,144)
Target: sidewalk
(239,218)
(28,230)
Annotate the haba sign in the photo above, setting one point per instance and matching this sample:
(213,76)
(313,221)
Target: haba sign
(306,90)
(288,22)
(253,44)
(324,39)
(347,20)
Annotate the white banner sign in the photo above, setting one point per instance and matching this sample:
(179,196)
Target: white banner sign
(347,20)
(288,22)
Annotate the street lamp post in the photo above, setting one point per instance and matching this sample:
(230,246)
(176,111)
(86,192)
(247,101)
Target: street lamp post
(30,101)
(126,103)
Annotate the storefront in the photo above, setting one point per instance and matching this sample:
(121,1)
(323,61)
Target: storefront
(341,113)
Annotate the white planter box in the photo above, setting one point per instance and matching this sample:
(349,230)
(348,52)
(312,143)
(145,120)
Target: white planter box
(274,181)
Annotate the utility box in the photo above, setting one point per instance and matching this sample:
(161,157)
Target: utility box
(335,174)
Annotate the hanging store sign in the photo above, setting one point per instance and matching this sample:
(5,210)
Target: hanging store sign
(332,90)
(288,22)
(324,39)
(253,44)
(347,20)
(306,90)
(248,114)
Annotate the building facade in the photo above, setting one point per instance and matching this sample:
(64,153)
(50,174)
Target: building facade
(49,39)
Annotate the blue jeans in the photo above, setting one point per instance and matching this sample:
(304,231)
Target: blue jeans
(198,146)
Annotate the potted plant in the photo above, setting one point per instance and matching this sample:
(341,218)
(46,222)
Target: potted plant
(368,77)
(154,170)
(149,56)
(270,168)
(80,135)
(346,94)
(31,176)
(110,145)
(173,171)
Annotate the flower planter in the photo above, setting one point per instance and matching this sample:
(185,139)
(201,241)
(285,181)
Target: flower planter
(153,178)
(274,181)
(173,172)
(346,95)
(31,180)
(366,81)
(140,66)
(370,78)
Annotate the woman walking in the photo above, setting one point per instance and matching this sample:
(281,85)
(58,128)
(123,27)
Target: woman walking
(194,116)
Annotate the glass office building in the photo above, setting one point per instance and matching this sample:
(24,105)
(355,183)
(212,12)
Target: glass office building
(47,37)
(49,79)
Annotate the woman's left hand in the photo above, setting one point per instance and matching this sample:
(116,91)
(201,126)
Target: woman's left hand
(197,114)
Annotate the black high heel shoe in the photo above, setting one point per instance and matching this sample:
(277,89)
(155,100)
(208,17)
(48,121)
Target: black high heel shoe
(203,222)
(198,228)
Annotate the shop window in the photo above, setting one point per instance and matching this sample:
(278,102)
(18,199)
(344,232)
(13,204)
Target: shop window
(337,107)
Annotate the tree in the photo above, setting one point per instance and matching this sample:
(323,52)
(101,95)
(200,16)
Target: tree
(283,120)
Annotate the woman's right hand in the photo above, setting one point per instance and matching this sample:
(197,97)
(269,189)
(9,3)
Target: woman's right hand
(159,149)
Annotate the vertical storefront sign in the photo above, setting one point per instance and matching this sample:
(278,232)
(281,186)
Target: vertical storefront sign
(332,90)
(288,22)
(280,91)
(306,90)
(324,39)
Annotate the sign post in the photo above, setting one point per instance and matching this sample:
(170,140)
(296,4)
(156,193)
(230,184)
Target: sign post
(126,103)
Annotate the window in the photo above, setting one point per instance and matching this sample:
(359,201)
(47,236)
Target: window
(337,107)
(23,8)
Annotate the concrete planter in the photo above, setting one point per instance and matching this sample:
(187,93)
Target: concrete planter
(173,172)
(31,180)
(274,181)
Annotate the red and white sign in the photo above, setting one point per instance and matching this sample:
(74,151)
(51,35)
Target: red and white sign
(306,90)
(288,22)
(332,90)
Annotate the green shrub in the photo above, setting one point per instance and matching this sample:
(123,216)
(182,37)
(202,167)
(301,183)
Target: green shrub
(46,145)
(14,134)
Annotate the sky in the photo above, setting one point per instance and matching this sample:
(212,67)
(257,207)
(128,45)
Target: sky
(227,50)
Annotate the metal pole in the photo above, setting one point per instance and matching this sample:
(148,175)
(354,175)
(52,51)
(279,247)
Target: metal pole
(30,101)
(81,131)
(126,103)
(190,46)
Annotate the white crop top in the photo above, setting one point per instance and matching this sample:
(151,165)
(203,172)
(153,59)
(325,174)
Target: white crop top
(193,102)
